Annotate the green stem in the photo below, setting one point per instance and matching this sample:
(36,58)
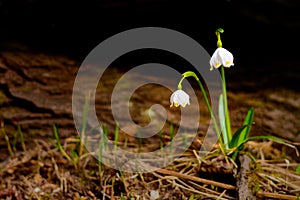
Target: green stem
(211,112)
(179,87)
(192,74)
(227,117)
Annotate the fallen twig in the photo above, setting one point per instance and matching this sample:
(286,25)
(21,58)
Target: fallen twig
(276,195)
(197,179)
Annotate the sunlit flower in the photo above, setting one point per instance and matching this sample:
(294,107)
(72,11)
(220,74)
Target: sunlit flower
(221,57)
(179,98)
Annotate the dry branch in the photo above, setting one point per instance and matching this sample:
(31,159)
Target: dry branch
(197,179)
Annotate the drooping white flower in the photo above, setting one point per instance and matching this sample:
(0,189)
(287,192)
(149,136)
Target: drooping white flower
(221,57)
(179,98)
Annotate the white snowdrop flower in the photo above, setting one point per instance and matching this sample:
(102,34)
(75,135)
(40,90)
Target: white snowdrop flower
(221,57)
(179,98)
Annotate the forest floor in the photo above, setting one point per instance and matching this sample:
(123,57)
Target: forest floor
(35,94)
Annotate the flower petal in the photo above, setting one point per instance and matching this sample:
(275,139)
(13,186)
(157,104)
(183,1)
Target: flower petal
(179,97)
(220,57)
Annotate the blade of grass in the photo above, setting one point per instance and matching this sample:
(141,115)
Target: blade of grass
(100,157)
(123,180)
(61,149)
(3,132)
(139,134)
(105,136)
(116,137)
(122,196)
(74,155)
(140,174)
(14,142)
(125,142)
(21,137)
(84,122)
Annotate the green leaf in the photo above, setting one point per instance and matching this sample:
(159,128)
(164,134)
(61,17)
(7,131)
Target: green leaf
(298,168)
(269,137)
(236,141)
(248,121)
(222,121)
(243,132)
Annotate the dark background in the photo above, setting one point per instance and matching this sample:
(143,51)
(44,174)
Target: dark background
(263,36)
(258,32)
